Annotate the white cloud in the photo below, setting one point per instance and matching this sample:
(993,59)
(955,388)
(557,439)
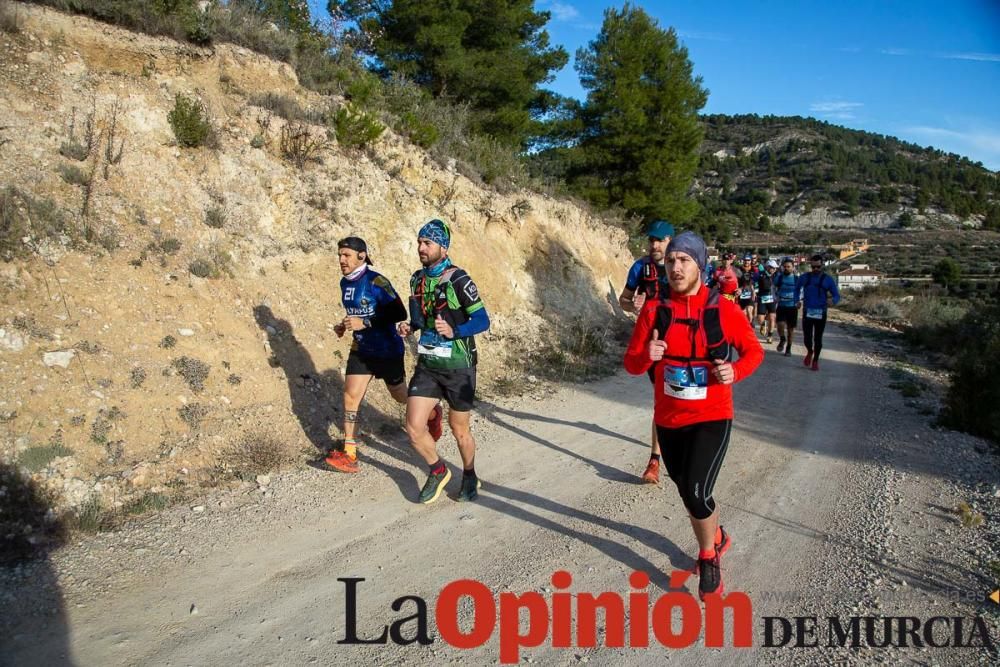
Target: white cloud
(983,57)
(836,110)
(834,107)
(850,49)
(709,36)
(563,12)
(897,52)
(982,140)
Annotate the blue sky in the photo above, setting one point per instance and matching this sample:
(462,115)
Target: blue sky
(926,72)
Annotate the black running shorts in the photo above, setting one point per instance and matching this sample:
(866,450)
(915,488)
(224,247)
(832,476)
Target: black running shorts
(762,307)
(789,315)
(693,456)
(457,386)
(390,369)
(746,303)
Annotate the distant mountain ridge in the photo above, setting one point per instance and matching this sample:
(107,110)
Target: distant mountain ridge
(765,172)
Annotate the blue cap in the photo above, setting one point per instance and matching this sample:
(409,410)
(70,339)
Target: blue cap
(660,229)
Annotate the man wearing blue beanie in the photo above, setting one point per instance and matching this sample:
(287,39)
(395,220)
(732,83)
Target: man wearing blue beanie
(445,307)
(647,280)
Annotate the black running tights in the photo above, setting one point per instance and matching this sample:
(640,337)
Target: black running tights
(693,455)
(812,330)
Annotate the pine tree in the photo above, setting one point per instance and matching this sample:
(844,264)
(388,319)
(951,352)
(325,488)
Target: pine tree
(490,54)
(639,147)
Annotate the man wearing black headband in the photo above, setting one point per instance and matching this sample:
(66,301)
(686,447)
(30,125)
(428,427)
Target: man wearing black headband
(373,308)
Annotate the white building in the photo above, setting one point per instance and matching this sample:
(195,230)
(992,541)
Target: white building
(858,276)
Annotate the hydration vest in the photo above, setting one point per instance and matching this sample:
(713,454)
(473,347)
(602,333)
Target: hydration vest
(440,303)
(711,322)
(649,280)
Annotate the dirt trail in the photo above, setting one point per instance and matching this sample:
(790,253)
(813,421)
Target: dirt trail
(830,500)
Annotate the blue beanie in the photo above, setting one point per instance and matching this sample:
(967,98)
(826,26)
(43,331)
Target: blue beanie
(436,231)
(660,229)
(690,243)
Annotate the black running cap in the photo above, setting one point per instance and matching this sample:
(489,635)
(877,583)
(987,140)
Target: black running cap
(357,244)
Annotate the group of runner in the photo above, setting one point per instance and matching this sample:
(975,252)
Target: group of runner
(694,337)
(445,307)
(692,316)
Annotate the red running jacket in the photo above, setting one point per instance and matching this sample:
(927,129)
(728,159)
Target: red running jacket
(671,412)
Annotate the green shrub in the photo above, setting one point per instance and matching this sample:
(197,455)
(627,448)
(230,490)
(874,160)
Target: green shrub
(973,400)
(189,121)
(933,322)
(74,151)
(422,133)
(36,458)
(192,414)
(148,502)
(194,371)
(257,453)
(73,174)
(299,144)
(92,517)
(279,105)
(169,245)
(23,216)
(215,217)
(354,128)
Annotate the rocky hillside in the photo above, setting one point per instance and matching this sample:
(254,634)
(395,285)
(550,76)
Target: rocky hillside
(762,172)
(166,313)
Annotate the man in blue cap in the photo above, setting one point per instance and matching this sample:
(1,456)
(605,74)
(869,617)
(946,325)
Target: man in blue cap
(446,308)
(647,281)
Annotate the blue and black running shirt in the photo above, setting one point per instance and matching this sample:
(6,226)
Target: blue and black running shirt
(647,277)
(372,297)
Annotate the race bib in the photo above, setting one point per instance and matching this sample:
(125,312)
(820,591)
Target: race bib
(433,345)
(767,298)
(688,383)
(746,294)
(814,313)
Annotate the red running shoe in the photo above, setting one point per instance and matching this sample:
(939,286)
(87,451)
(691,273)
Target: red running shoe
(808,360)
(340,461)
(652,473)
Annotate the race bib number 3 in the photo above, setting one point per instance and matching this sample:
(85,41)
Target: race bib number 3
(685,382)
(814,313)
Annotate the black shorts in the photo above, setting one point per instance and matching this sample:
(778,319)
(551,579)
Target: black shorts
(693,456)
(789,315)
(766,307)
(457,386)
(745,303)
(389,369)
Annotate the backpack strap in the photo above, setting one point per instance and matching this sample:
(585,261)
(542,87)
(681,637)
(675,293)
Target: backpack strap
(718,347)
(711,322)
(650,280)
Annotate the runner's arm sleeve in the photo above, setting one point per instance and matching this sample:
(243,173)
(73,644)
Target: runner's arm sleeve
(478,322)
(468,298)
(743,338)
(637,359)
(834,291)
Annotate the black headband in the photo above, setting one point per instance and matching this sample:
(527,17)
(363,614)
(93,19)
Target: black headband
(356,244)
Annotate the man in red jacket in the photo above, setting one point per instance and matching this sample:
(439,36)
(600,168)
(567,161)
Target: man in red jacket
(689,340)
